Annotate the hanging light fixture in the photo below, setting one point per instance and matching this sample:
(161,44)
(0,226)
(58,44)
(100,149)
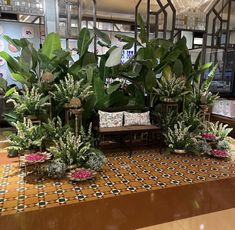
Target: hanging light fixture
(191,14)
(185,5)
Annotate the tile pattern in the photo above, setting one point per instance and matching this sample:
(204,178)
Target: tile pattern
(145,170)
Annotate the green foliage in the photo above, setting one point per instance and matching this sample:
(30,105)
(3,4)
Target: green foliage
(84,40)
(51,44)
(68,148)
(191,118)
(55,129)
(31,102)
(173,88)
(95,159)
(56,169)
(70,88)
(199,146)
(224,145)
(3,86)
(104,38)
(114,57)
(28,137)
(178,137)
(218,129)
(78,150)
(201,94)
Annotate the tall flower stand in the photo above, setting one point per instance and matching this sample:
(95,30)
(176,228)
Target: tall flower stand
(205,111)
(74,108)
(169,105)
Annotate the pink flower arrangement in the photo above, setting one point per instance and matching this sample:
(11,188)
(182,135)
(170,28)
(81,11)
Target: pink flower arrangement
(208,136)
(81,174)
(34,157)
(219,153)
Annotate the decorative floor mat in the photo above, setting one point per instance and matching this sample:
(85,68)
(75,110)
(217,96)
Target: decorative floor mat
(145,170)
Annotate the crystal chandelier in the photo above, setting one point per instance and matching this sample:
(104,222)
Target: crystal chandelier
(191,14)
(186,5)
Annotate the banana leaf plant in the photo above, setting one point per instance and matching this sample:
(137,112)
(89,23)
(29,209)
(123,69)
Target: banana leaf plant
(201,94)
(29,66)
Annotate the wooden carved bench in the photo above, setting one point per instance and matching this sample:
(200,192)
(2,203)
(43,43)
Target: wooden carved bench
(128,131)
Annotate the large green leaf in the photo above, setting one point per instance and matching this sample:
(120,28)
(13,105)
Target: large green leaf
(209,79)
(84,40)
(75,68)
(9,92)
(178,68)
(143,33)
(159,42)
(102,99)
(51,44)
(114,57)
(12,63)
(113,87)
(3,84)
(167,72)
(19,78)
(14,42)
(130,41)
(103,36)
(197,62)
(90,73)
(150,80)
(118,99)
(88,59)
(18,44)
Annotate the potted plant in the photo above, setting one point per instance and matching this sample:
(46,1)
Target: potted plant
(71,93)
(29,137)
(30,102)
(171,89)
(78,151)
(201,96)
(178,138)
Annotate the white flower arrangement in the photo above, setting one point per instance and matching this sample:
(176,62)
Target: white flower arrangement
(178,137)
(70,88)
(173,88)
(31,102)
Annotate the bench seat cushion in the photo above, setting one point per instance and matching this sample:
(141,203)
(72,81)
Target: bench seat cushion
(128,129)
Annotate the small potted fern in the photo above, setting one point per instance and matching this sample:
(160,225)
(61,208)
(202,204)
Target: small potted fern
(71,93)
(171,89)
(31,103)
(178,138)
(29,138)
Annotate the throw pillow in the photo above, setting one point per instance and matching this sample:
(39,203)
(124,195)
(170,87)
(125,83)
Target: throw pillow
(137,118)
(108,120)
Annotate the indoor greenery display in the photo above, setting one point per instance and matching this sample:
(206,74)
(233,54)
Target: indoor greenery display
(213,140)
(171,89)
(28,137)
(220,130)
(68,148)
(30,102)
(70,88)
(201,95)
(178,138)
(56,169)
(54,129)
(160,69)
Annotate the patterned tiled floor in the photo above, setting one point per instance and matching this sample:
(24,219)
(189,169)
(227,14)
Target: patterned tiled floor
(145,170)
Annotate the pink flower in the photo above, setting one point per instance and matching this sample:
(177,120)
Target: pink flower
(219,153)
(208,136)
(81,174)
(33,157)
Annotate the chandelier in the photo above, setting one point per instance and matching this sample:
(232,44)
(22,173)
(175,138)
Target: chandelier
(183,6)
